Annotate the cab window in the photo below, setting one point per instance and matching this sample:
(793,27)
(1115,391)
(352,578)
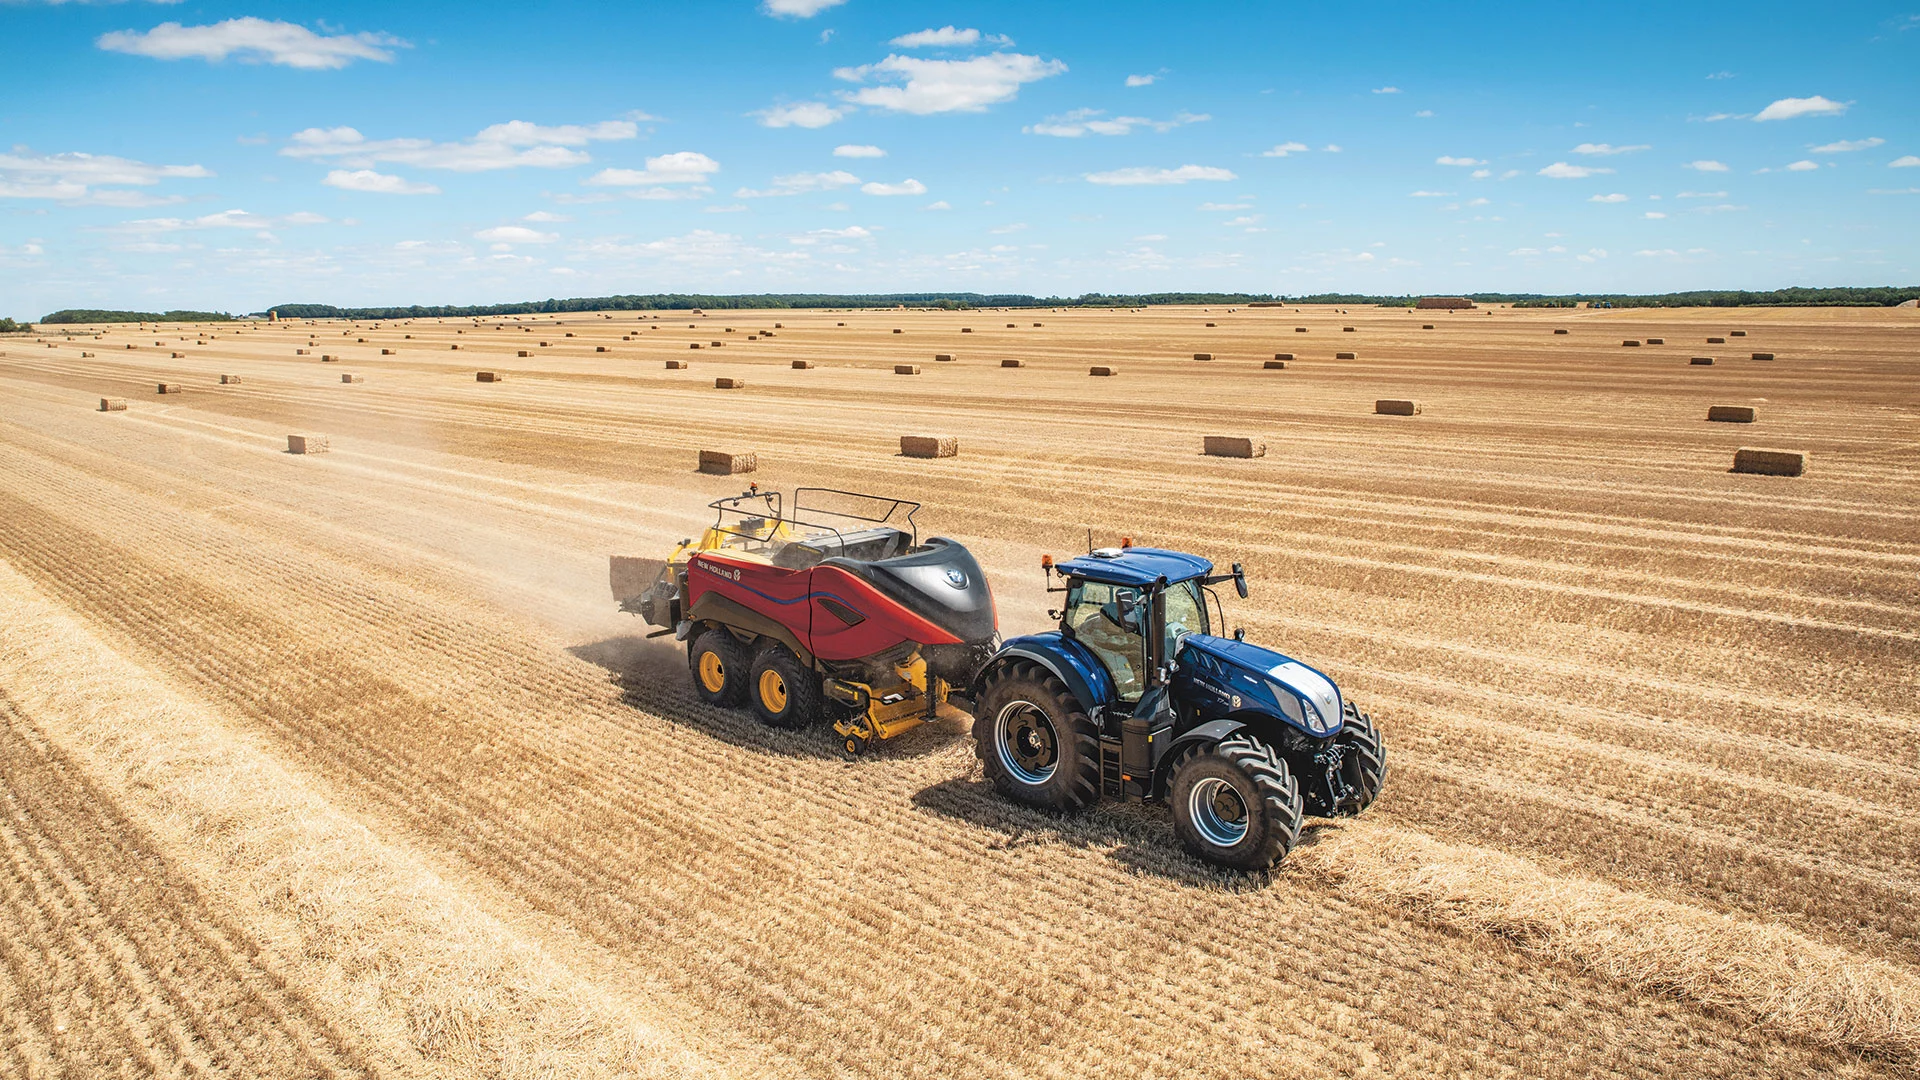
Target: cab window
(1186,614)
(1106,619)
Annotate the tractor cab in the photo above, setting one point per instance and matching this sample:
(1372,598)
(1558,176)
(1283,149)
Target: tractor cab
(1133,608)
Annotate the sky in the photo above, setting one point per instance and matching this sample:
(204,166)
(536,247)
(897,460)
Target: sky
(232,156)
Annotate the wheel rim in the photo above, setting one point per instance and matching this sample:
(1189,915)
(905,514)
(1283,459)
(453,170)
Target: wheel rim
(773,691)
(713,672)
(1219,814)
(1029,749)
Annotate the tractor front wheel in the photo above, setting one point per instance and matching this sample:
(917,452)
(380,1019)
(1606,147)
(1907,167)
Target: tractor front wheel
(1034,740)
(1235,804)
(783,692)
(1363,762)
(719,665)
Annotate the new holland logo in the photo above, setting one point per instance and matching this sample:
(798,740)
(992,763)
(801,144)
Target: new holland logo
(728,572)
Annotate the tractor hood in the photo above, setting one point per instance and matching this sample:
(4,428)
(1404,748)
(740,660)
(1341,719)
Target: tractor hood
(1265,680)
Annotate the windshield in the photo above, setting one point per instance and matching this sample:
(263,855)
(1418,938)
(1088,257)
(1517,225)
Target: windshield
(1106,619)
(1186,614)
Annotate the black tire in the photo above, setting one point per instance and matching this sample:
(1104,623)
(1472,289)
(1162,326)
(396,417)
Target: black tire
(1235,804)
(723,680)
(1363,762)
(783,692)
(1036,742)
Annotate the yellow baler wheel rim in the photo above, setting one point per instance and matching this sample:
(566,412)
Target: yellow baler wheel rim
(713,672)
(773,691)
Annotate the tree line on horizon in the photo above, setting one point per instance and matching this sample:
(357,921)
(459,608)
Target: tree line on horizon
(1848,296)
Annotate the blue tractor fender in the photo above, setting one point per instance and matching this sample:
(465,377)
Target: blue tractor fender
(1068,660)
(1206,734)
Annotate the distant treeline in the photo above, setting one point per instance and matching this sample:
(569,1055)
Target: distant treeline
(84,315)
(803,301)
(8,326)
(1865,296)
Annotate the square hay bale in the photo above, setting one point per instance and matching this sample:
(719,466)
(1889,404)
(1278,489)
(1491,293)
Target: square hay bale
(1012,326)
(1210,324)
(1563,331)
(307,444)
(327,358)
(1426,326)
(176,356)
(1036,324)
(897,330)
(85,355)
(113,404)
(488,376)
(929,446)
(1754,459)
(726,463)
(454,347)
(906,369)
(1701,361)
(1013,363)
(779,326)
(1346,329)
(543,344)
(1274,365)
(1103,370)
(1232,446)
(943,357)
(1395,407)
(229,380)
(964,329)
(298,352)
(1737,333)
(525,352)
(677,365)
(717,344)
(1630,343)
(1345,356)
(1299,329)
(1716,341)
(386,352)
(599,348)
(802,365)
(1763,356)
(728,382)
(1203,356)
(1656,341)
(693,344)
(129,346)
(1283,356)
(750,337)
(569,333)
(169,388)
(839,324)
(1731,414)
(345,378)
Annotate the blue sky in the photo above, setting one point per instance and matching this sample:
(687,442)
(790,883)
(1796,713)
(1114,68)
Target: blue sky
(230,156)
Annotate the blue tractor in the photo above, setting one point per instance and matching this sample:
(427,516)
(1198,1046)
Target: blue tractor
(1135,697)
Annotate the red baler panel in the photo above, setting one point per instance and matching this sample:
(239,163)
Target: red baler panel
(804,602)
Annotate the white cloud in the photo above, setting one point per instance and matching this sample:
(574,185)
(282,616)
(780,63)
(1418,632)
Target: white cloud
(681,167)
(735,208)
(1560,170)
(252,40)
(1616,197)
(1525,251)
(1793,107)
(945,37)
(797,183)
(1142,80)
(941,204)
(1285,148)
(1431,194)
(908,186)
(225,219)
(1894,191)
(1387,90)
(546,217)
(1721,75)
(1705,165)
(1907,162)
(377,183)
(1656,251)
(805,114)
(815,236)
(1653,215)
(1592,255)
(1702,195)
(1080,122)
(1144,174)
(1844,146)
(1225,207)
(1424,113)
(1481,174)
(1803,166)
(1478,202)
(854,150)
(798,9)
(938,86)
(514,144)
(515,234)
(74,177)
(1465,162)
(1608,149)
(1330,148)
(1002,230)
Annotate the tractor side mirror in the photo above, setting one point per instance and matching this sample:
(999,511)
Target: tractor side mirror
(1240,580)
(1239,633)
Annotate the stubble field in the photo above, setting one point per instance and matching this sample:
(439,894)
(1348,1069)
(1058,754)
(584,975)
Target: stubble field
(345,765)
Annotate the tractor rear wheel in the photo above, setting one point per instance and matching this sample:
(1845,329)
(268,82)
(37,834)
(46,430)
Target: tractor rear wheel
(1363,762)
(719,665)
(782,691)
(1235,804)
(1035,740)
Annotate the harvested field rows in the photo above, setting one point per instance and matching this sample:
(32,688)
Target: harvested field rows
(1600,659)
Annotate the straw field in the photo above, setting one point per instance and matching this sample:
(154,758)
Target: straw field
(345,764)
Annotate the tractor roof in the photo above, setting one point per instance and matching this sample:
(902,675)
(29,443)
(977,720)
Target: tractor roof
(1135,566)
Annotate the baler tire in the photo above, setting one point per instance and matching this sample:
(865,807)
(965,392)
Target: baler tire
(1363,762)
(1262,787)
(798,704)
(1064,771)
(730,661)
